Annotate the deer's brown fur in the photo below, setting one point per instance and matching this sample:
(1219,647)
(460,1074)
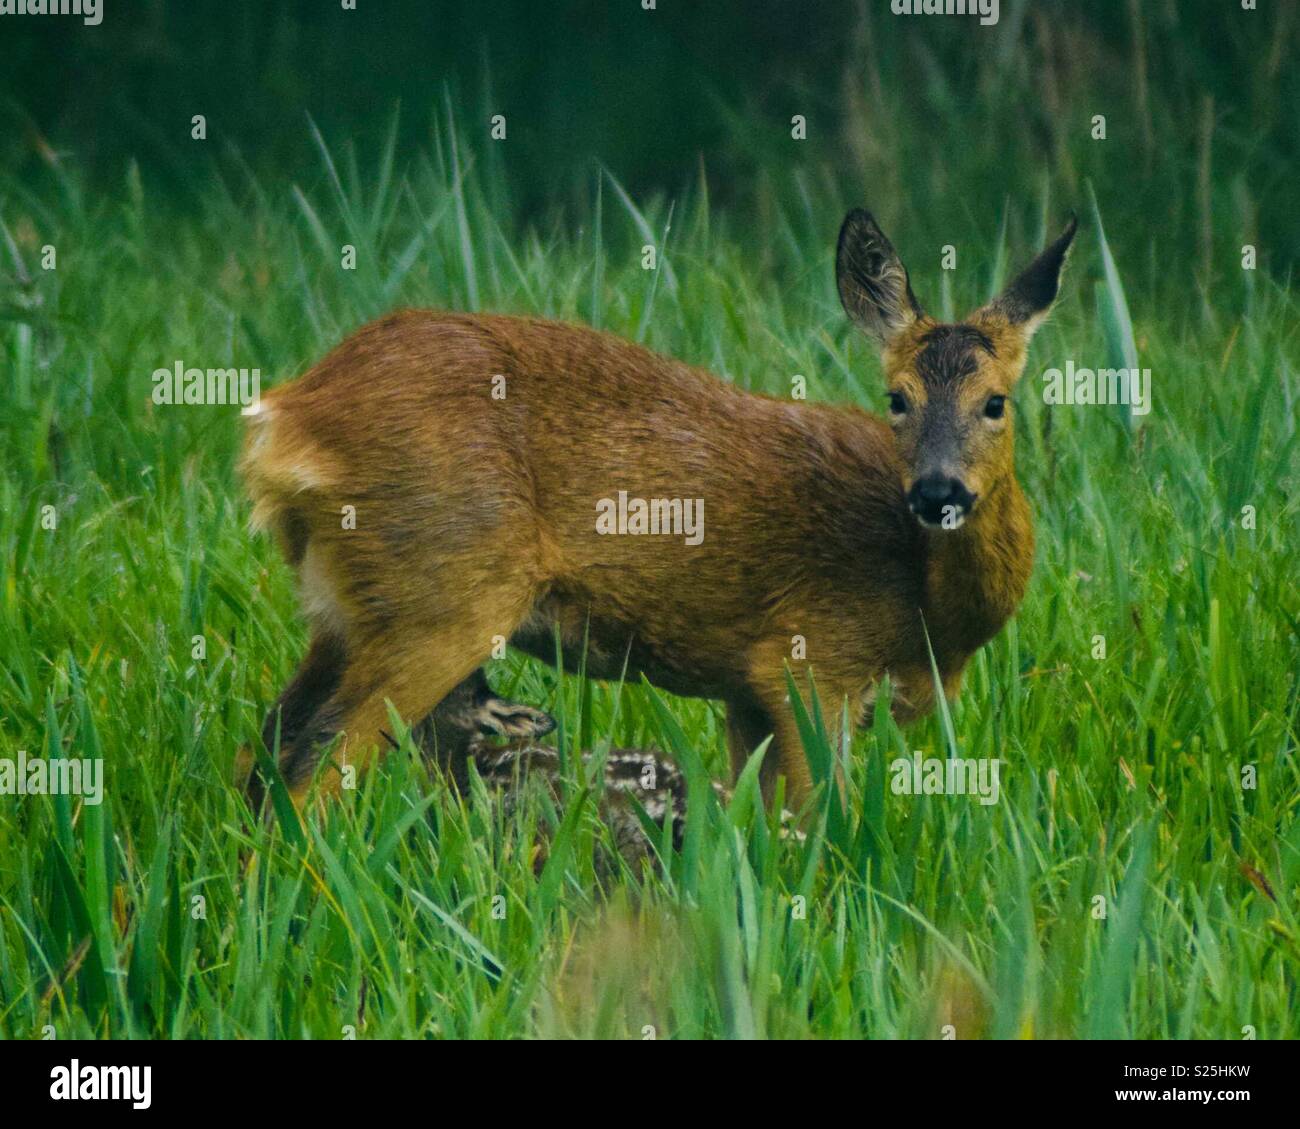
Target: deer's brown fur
(475,516)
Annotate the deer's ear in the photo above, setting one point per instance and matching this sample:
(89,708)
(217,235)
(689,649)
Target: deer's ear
(872,280)
(1028,298)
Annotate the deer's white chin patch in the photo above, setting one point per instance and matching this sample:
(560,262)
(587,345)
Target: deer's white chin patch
(945,526)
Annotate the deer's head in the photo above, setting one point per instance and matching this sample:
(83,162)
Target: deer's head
(949,385)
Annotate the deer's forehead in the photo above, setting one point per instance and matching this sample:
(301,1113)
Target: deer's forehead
(949,354)
(942,359)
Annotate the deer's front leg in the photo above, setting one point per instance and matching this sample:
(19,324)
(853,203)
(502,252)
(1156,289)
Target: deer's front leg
(786,756)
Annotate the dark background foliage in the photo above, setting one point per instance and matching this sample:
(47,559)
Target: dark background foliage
(936,115)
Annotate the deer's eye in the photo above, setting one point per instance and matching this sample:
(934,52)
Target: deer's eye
(897,404)
(995,407)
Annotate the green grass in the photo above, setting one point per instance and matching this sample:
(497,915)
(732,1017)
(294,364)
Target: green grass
(405,913)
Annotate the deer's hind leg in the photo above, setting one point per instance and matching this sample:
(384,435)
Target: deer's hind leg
(415,669)
(317,677)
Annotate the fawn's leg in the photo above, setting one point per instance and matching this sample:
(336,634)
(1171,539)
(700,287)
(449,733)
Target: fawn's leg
(471,711)
(494,716)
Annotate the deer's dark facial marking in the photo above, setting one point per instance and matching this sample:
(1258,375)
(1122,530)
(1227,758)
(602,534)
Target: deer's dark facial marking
(949,357)
(949,353)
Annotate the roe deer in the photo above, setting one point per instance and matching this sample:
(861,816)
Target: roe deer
(476,453)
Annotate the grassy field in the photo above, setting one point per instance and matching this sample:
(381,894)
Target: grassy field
(1139,875)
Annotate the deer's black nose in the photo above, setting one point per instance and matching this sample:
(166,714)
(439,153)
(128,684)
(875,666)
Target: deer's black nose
(934,497)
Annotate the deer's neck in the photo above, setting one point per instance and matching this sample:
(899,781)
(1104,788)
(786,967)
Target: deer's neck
(975,576)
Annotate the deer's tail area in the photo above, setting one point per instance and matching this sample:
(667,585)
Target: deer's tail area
(286,476)
(283,475)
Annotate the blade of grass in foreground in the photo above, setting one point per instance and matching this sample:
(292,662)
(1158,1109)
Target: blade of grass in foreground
(941,701)
(1107,1018)
(285,813)
(698,787)
(821,762)
(1112,308)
